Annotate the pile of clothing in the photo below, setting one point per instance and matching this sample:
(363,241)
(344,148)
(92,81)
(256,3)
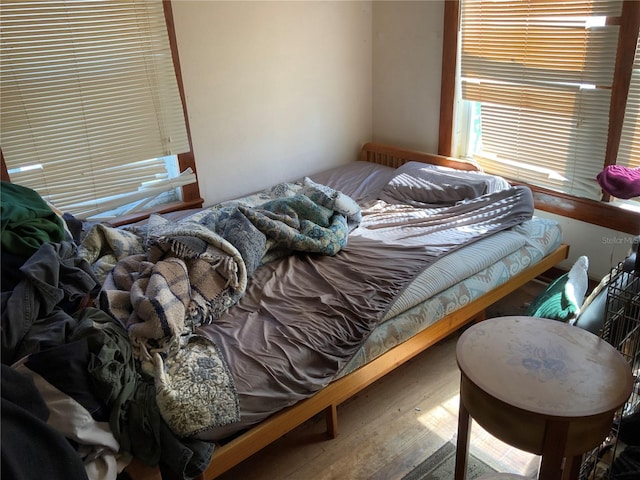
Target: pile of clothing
(74,404)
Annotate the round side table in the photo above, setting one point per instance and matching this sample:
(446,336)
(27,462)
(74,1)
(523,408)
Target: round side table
(540,385)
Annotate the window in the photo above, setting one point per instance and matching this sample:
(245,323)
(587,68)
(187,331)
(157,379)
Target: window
(92,116)
(541,92)
(629,150)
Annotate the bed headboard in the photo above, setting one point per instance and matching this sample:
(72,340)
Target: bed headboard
(391,156)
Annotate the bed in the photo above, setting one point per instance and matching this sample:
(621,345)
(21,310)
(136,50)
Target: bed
(295,321)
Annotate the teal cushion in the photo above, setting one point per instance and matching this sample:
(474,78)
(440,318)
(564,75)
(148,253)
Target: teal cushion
(553,303)
(564,296)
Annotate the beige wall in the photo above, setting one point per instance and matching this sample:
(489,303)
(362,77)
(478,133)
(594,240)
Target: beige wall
(407,57)
(604,247)
(275,90)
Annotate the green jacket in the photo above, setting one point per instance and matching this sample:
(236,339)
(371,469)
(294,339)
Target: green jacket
(27,221)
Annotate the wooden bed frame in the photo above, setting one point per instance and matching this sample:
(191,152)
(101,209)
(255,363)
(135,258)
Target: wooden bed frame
(242,447)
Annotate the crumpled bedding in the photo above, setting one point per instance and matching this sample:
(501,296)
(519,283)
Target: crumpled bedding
(175,275)
(424,185)
(312,300)
(303,317)
(314,308)
(188,275)
(191,271)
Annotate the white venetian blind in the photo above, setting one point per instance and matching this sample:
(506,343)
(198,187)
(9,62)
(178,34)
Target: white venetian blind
(629,150)
(542,73)
(89,98)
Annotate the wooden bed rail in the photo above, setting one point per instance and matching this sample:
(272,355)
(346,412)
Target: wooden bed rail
(391,156)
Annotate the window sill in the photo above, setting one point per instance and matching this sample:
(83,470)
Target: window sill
(167,208)
(590,211)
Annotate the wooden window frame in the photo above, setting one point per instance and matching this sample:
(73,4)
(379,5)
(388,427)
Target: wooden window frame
(190,193)
(598,213)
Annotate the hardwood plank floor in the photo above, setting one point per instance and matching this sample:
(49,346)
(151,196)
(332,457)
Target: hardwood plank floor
(392,426)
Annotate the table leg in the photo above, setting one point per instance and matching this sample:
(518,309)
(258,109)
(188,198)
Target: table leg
(572,468)
(462,448)
(554,444)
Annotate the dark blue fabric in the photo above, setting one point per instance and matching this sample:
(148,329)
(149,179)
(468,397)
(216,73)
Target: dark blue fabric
(31,449)
(65,367)
(36,314)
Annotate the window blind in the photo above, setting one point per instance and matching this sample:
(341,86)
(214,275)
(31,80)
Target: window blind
(89,96)
(629,150)
(542,73)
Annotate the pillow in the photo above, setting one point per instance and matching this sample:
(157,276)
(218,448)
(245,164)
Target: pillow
(360,180)
(563,299)
(421,184)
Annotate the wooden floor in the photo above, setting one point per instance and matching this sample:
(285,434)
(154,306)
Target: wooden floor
(391,426)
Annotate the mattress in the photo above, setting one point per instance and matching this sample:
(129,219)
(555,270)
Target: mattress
(451,282)
(411,313)
(533,239)
(296,329)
